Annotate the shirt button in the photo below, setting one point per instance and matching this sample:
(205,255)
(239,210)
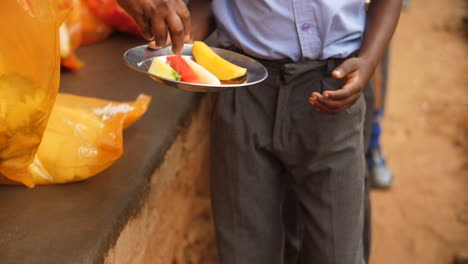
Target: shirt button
(305,26)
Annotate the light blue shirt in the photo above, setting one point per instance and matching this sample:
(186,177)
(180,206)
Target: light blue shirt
(295,29)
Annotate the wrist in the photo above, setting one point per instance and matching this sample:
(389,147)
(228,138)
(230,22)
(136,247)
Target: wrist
(368,66)
(369,60)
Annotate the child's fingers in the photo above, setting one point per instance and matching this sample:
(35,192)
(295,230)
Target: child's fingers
(312,101)
(325,110)
(315,95)
(351,87)
(322,109)
(325,105)
(347,67)
(316,105)
(334,106)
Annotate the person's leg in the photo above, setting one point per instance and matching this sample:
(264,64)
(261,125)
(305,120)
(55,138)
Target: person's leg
(248,183)
(368,120)
(385,64)
(325,156)
(380,175)
(294,227)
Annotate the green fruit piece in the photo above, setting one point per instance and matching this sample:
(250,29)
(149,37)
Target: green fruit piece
(163,69)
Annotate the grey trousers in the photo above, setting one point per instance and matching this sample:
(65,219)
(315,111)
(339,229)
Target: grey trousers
(267,138)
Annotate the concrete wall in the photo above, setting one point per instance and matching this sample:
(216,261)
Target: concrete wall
(156,232)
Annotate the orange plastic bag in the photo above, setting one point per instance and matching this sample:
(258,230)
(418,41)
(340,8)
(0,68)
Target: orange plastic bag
(82,27)
(71,38)
(115,16)
(29,79)
(83,137)
(93,29)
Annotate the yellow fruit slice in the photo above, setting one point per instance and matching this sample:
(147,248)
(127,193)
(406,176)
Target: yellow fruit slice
(221,68)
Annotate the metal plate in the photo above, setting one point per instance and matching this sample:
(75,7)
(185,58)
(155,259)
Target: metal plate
(141,57)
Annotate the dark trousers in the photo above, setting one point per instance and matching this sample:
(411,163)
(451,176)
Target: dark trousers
(267,138)
(292,218)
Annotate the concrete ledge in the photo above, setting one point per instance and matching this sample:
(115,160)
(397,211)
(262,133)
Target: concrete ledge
(81,222)
(154,233)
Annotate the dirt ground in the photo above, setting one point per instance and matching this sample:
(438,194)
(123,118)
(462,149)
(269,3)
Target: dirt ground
(423,219)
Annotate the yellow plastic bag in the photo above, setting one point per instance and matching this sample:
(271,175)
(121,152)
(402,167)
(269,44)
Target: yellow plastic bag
(83,137)
(29,79)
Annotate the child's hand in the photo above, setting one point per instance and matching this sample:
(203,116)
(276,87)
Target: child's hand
(357,72)
(157,18)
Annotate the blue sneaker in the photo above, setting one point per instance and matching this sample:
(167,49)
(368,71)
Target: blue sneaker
(381,177)
(406,4)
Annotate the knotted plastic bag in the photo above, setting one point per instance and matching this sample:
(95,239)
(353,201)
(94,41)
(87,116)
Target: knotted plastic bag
(29,79)
(83,135)
(82,138)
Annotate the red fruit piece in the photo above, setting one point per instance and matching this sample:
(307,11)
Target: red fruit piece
(183,69)
(110,12)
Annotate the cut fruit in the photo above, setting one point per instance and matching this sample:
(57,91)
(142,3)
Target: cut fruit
(212,62)
(65,42)
(162,69)
(183,69)
(205,76)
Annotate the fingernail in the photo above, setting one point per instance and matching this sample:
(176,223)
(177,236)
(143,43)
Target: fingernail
(159,43)
(149,37)
(152,45)
(339,72)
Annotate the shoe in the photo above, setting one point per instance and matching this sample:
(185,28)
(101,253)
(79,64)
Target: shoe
(381,177)
(406,4)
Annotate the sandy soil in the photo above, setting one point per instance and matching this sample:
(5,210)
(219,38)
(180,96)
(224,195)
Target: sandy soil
(423,219)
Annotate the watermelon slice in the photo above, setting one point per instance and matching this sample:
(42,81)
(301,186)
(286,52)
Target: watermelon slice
(183,69)
(205,76)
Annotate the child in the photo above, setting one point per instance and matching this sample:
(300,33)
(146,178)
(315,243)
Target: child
(301,128)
